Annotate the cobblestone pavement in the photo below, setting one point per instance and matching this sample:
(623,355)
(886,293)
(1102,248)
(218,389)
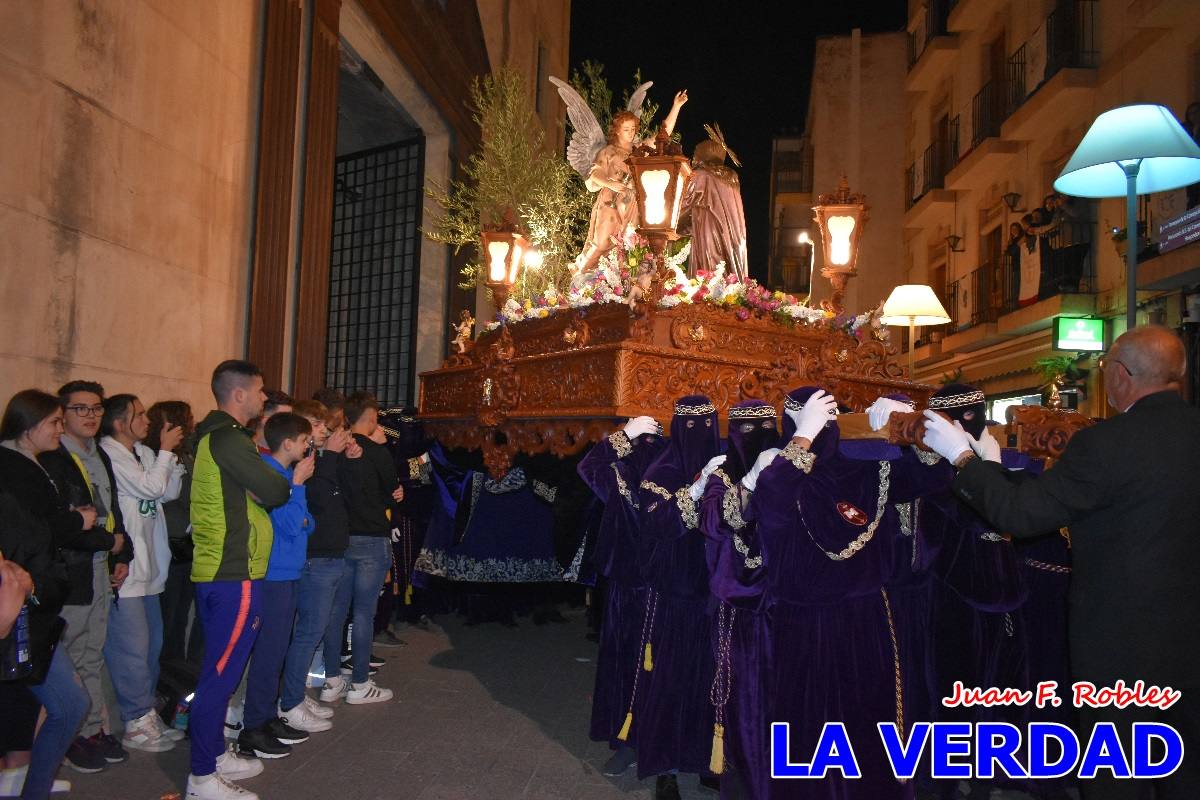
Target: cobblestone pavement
(479,713)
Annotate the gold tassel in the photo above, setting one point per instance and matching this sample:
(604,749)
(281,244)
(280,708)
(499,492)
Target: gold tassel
(716,763)
(648,660)
(408,595)
(624,734)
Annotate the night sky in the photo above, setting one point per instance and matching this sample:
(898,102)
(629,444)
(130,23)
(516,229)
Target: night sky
(746,66)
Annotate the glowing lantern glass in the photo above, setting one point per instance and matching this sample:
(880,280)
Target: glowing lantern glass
(841,217)
(504,248)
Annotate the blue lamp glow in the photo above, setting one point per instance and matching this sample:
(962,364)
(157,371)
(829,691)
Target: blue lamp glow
(1128,151)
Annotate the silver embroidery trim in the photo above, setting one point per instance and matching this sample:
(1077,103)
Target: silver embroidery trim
(926,458)
(991,536)
(656,489)
(731,505)
(545,491)
(623,487)
(687,509)
(801,459)
(740,546)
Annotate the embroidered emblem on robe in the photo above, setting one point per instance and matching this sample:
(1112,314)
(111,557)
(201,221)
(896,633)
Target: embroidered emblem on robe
(851,514)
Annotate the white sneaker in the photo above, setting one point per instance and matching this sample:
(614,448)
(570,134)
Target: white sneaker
(235,767)
(143,734)
(368,692)
(166,731)
(335,689)
(316,709)
(302,719)
(216,787)
(13,779)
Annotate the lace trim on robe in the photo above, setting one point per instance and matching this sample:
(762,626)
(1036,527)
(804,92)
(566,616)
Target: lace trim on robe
(801,458)
(623,487)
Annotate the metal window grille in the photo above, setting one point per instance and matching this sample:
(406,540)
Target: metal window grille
(374,266)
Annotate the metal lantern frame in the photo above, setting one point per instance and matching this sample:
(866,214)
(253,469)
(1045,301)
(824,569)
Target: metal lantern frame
(502,281)
(828,208)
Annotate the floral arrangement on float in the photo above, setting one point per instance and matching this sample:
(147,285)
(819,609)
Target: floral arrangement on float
(613,278)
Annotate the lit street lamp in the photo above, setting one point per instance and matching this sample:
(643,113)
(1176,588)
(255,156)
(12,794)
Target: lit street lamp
(1128,151)
(503,248)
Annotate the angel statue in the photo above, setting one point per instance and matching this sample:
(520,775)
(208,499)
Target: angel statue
(462,331)
(604,167)
(712,209)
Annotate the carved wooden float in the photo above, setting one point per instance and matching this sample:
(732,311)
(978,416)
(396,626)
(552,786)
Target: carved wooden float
(554,385)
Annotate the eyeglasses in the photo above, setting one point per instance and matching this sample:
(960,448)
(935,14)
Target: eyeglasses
(1105,361)
(87,411)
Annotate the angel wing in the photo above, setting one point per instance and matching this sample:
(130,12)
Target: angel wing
(638,97)
(587,138)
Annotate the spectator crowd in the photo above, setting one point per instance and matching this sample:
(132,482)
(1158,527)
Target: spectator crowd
(133,541)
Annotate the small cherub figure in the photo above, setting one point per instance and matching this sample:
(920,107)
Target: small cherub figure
(639,292)
(462,331)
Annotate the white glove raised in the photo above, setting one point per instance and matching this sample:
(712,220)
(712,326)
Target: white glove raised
(640,425)
(750,479)
(881,409)
(946,438)
(696,490)
(986,447)
(818,409)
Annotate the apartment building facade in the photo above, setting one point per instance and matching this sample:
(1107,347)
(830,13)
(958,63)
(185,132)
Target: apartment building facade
(999,93)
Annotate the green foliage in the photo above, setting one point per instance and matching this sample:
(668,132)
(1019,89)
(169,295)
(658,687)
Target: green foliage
(512,173)
(1060,369)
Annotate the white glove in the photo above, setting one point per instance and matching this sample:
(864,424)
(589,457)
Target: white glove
(395,535)
(750,479)
(639,425)
(819,409)
(986,447)
(881,409)
(696,490)
(945,438)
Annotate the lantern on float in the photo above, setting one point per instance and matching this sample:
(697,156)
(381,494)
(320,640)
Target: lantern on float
(660,180)
(502,249)
(841,217)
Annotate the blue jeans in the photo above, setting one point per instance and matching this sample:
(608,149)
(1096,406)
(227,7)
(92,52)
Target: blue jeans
(319,582)
(131,651)
(367,562)
(277,608)
(66,703)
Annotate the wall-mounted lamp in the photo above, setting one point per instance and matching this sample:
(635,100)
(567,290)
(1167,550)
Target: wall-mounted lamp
(1011,199)
(954,243)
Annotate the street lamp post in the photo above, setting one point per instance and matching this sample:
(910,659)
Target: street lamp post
(1131,150)
(913,305)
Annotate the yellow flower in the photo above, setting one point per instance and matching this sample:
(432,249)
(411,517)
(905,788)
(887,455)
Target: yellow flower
(778,295)
(731,299)
(528,305)
(543,313)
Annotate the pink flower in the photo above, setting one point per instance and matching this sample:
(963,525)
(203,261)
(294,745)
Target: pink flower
(742,314)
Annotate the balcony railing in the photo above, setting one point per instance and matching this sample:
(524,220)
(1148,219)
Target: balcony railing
(929,171)
(931,24)
(1067,40)
(987,112)
(977,297)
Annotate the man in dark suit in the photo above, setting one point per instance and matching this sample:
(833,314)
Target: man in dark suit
(1127,489)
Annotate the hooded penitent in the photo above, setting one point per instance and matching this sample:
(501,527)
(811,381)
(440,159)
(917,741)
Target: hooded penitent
(752,429)
(406,435)
(827,440)
(962,403)
(695,438)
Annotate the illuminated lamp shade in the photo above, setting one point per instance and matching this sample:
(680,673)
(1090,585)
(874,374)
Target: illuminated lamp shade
(660,179)
(912,305)
(1131,150)
(497,260)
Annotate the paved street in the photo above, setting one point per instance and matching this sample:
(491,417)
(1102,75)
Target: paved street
(486,713)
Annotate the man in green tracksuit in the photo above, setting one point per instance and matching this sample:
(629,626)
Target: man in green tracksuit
(232,488)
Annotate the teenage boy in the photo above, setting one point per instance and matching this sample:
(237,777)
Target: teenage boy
(321,574)
(231,530)
(289,437)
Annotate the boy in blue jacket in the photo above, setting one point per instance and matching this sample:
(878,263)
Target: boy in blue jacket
(289,436)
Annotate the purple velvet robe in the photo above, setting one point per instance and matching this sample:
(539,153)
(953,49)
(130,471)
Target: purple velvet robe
(672,710)
(613,470)
(826,633)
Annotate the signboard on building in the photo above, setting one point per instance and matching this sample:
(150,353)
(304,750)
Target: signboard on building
(1078,334)
(1175,233)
